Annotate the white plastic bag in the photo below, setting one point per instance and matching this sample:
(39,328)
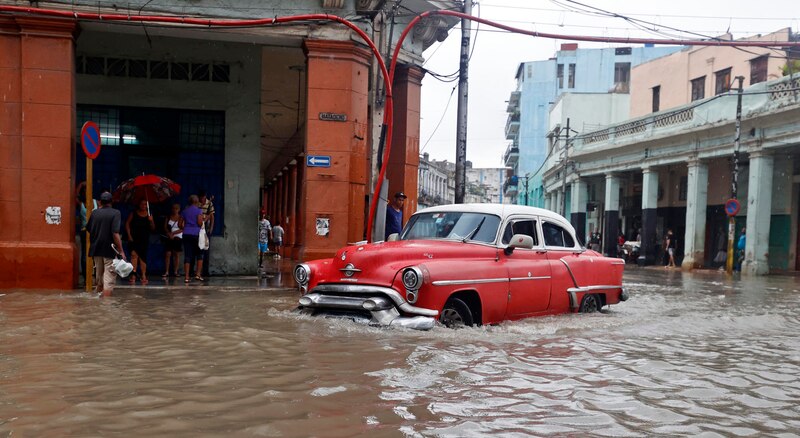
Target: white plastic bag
(203,240)
(122,268)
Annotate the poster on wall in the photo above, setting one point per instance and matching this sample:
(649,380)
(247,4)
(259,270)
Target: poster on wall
(323,226)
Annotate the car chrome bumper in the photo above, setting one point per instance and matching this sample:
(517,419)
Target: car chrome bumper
(382,304)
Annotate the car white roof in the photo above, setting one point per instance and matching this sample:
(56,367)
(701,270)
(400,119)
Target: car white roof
(502,210)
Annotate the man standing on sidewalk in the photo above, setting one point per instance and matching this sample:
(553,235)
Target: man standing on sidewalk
(394,215)
(208,210)
(103,227)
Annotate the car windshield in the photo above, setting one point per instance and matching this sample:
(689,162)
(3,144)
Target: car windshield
(454,225)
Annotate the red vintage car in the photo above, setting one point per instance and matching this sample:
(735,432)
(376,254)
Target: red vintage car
(464,264)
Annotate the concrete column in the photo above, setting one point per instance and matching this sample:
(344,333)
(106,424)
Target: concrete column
(696,203)
(37,153)
(299,233)
(404,158)
(580,196)
(611,216)
(337,81)
(647,250)
(759,214)
(291,220)
(548,201)
(556,201)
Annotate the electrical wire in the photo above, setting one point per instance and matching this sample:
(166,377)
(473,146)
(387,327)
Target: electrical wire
(593,10)
(710,17)
(440,119)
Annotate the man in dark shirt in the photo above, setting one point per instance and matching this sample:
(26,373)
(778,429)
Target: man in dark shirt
(394,215)
(103,227)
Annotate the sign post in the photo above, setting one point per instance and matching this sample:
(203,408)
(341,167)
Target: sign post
(732,207)
(90,141)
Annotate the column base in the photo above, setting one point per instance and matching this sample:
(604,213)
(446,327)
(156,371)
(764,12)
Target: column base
(38,266)
(646,260)
(755,268)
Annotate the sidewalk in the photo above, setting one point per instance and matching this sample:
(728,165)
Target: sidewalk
(277,275)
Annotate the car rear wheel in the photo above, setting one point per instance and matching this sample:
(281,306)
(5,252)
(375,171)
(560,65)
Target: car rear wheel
(456,314)
(590,304)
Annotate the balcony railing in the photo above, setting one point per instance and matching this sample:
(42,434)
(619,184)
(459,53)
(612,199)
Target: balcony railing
(512,126)
(763,97)
(513,102)
(511,156)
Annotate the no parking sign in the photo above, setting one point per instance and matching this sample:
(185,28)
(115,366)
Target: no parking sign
(732,207)
(90,140)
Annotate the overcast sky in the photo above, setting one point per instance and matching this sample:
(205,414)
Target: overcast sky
(497,55)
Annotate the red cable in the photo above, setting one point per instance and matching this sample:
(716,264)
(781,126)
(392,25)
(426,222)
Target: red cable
(388,111)
(387,75)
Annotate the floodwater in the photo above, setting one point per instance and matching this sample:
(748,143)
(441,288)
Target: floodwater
(689,354)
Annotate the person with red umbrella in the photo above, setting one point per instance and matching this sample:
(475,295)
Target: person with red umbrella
(139,225)
(140,191)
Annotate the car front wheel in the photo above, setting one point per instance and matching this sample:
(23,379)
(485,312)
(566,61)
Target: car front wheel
(590,304)
(456,314)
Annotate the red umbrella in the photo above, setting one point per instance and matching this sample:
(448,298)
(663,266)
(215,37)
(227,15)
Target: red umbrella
(148,187)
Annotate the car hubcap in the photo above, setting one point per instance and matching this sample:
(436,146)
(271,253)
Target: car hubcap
(450,317)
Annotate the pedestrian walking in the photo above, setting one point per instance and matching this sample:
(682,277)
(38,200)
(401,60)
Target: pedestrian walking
(207,206)
(670,245)
(277,237)
(264,234)
(740,246)
(394,215)
(104,226)
(138,226)
(193,220)
(173,227)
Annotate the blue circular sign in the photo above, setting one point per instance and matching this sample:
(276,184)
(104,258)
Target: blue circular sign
(90,139)
(732,207)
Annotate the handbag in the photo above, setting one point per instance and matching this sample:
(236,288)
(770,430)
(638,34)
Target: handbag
(203,240)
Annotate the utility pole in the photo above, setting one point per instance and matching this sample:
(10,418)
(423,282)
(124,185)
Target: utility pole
(735,179)
(461,122)
(526,188)
(563,205)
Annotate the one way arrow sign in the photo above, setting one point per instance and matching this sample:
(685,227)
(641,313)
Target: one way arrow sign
(318,161)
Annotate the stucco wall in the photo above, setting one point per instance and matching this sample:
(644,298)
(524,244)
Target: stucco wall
(232,252)
(673,73)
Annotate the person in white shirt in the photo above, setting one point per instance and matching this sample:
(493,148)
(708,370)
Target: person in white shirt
(277,237)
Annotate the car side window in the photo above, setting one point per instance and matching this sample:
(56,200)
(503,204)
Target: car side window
(521,226)
(555,235)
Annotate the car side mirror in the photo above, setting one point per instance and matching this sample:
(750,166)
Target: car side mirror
(393,237)
(519,241)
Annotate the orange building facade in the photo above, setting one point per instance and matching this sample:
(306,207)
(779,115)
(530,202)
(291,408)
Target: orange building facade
(51,82)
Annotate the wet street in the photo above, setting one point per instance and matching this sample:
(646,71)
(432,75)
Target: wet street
(688,354)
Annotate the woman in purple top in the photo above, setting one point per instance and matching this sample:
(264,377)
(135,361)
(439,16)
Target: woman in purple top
(193,218)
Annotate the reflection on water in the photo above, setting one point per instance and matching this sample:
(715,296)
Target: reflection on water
(687,355)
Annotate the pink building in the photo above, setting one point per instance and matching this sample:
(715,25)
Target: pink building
(699,72)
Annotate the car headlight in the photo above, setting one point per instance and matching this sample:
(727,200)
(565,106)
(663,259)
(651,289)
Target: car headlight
(412,278)
(302,274)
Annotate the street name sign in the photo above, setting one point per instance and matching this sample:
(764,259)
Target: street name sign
(318,161)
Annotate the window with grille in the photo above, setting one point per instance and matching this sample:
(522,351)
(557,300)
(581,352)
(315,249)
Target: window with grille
(622,76)
(723,81)
(698,88)
(758,69)
(202,131)
(571,78)
(560,75)
(153,69)
(684,188)
(656,98)
(107,120)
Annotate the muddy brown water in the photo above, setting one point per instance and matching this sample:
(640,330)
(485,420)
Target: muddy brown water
(688,355)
